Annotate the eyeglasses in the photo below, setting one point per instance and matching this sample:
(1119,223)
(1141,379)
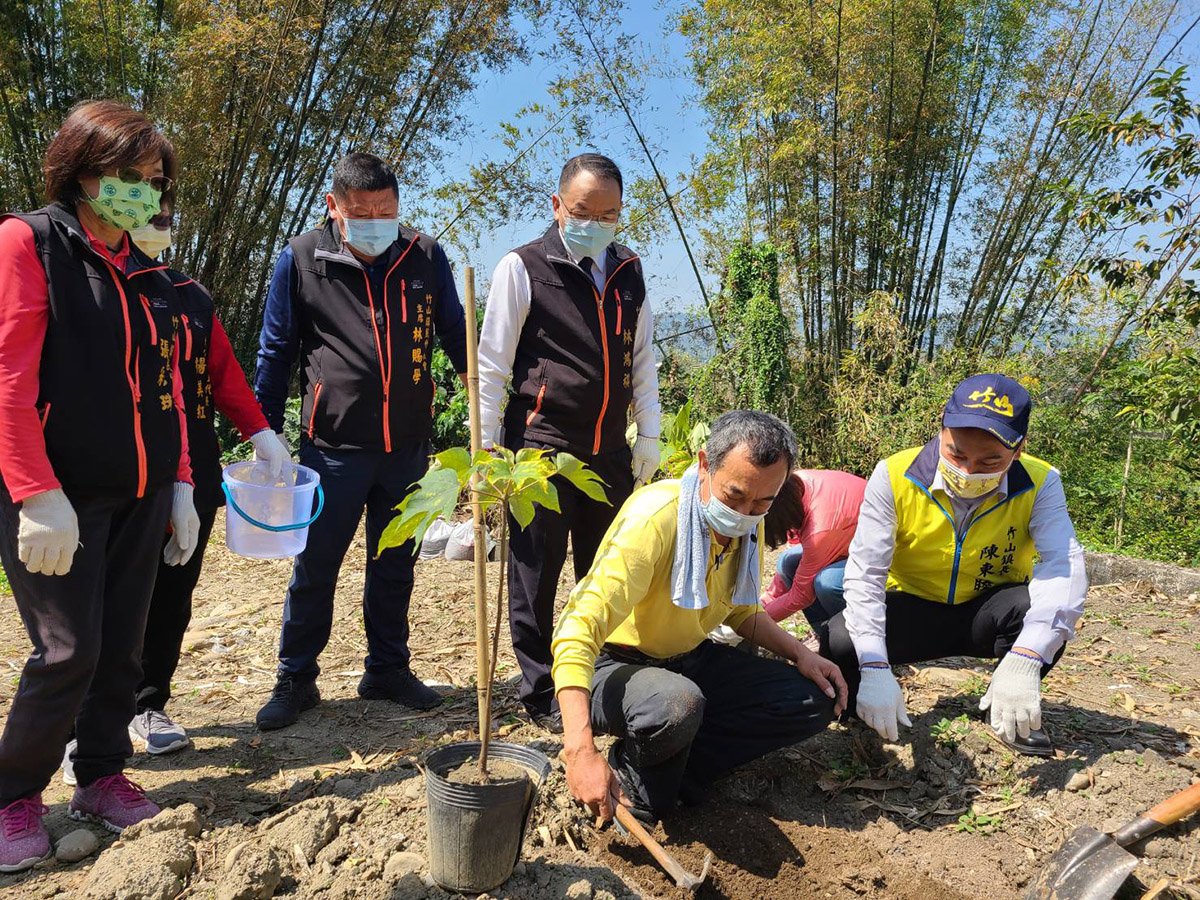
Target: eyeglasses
(160,183)
(607,219)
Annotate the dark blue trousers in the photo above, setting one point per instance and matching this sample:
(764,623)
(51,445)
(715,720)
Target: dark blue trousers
(353,480)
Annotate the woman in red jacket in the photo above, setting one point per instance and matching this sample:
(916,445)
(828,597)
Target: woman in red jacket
(93,463)
(211,378)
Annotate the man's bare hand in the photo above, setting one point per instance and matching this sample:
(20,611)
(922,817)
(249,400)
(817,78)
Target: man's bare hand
(824,674)
(593,783)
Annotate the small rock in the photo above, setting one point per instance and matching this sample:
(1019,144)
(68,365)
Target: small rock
(400,864)
(345,787)
(579,890)
(152,868)
(519,870)
(542,875)
(888,828)
(1078,782)
(185,818)
(1151,757)
(76,845)
(415,788)
(256,876)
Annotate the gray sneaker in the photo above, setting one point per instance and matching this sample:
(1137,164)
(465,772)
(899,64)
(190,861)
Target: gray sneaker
(68,767)
(156,730)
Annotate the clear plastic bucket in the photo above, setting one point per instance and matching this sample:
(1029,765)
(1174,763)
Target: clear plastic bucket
(268,519)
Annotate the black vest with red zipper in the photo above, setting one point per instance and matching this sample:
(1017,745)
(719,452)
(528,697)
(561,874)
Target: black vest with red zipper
(105,393)
(572,381)
(365,350)
(195,338)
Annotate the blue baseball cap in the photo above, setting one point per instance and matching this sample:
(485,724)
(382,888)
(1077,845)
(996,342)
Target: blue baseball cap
(994,403)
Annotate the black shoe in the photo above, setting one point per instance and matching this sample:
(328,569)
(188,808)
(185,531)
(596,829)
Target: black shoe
(291,697)
(1037,744)
(400,686)
(547,721)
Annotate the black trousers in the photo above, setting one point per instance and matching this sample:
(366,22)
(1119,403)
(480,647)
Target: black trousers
(687,721)
(354,481)
(86,628)
(536,558)
(170,613)
(920,630)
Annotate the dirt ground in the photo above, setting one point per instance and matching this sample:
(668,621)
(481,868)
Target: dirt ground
(335,806)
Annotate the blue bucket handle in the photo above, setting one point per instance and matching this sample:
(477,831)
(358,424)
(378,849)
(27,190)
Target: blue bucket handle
(276,528)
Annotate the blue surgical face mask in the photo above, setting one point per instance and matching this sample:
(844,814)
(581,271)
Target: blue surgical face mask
(725,521)
(371,237)
(587,237)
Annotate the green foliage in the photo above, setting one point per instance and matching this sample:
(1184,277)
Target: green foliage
(948,732)
(518,482)
(978,822)
(683,436)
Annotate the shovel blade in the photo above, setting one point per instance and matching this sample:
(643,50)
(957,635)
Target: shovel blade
(1088,866)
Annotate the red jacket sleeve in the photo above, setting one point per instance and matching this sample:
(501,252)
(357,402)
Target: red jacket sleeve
(24,315)
(231,393)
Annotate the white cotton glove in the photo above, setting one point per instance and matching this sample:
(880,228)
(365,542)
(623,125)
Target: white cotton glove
(646,457)
(880,702)
(185,527)
(47,533)
(272,449)
(1015,696)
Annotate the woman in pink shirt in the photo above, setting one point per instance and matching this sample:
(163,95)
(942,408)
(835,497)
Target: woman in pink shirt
(817,512)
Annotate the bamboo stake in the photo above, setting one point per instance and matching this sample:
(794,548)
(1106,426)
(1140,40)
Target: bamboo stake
(482,668)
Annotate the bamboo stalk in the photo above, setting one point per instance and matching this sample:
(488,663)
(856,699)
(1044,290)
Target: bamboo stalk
(482,669)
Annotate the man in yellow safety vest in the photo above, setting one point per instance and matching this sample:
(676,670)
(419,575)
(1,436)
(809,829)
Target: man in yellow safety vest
(943,564)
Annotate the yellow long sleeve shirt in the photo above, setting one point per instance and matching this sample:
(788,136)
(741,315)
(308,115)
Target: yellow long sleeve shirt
(626,597)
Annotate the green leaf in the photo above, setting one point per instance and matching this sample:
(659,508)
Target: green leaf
(573,469)
(540,493)
(436,494)
(521,508)
(458,460)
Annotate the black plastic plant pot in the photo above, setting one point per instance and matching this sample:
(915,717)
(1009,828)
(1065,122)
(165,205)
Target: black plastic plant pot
(476,830)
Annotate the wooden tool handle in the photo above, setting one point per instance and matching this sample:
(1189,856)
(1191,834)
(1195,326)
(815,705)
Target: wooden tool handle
(634,827)
(1170,811)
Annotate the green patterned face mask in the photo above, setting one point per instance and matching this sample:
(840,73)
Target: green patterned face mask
(125,205)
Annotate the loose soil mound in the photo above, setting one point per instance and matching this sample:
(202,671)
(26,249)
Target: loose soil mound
(334,807)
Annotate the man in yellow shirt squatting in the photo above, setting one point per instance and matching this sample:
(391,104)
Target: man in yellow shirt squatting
(631,652)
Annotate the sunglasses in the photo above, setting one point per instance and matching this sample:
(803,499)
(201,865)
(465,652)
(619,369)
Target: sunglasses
(160,183)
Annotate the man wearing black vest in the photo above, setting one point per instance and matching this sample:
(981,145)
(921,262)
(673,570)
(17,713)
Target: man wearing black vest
(567,339)
(359,299)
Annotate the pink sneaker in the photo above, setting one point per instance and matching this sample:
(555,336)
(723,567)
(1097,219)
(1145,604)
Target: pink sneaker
(114,801)
(23,838)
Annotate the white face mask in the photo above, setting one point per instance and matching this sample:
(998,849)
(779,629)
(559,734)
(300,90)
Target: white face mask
(968,485)
(150,240)
(725,521)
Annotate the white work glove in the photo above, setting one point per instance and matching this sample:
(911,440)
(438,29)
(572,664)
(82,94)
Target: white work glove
(47,533)
(645,458)
(185,527)
(880,702)
(1015,696)
(272,449)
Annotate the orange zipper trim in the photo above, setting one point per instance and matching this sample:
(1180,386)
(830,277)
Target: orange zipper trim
(134,391)
(45,416)
(385,364)
(149,319)
(620,310)
(604,346)
(537,407)
(187,335)
(403,300)
(312,416)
